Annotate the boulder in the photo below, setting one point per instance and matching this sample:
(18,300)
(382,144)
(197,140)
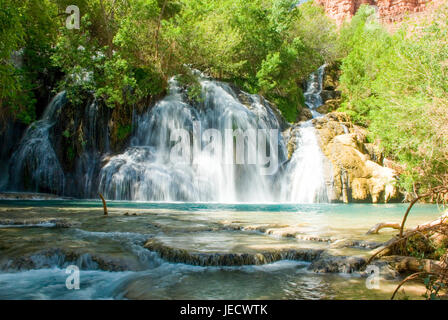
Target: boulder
(329,106)
(330,95)
(357,173)
(305,115)
(374,152)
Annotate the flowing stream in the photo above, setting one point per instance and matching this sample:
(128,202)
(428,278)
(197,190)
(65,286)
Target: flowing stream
(194,250)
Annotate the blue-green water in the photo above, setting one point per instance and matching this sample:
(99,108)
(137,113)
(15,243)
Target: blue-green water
(35,249)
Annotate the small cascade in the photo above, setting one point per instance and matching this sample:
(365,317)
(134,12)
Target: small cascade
(305,173)
(34,165)
(313,93)
(89,162)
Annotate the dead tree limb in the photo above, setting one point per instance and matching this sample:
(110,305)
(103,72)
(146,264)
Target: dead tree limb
(394,241)
(104,204)
(376,228)
(412,264)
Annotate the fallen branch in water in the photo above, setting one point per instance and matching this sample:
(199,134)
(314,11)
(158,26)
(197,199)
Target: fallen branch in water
(104,204)
(386,248)
(376,228)
(413,264)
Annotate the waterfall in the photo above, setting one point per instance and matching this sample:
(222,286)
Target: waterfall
(144,171)
(34,165)
(305,173)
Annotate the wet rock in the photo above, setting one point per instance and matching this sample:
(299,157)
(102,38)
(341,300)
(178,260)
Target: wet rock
(386,271)
(29,196)
(177,255)
(54,223)
(337,264)
(346,243)
(305,115)
(329,106)
(58,257)
(330,95)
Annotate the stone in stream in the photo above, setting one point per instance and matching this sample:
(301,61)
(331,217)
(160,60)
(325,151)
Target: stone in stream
(320,261)
(346,243)
(34,222)
(337,264)
(58,257)
(177,255)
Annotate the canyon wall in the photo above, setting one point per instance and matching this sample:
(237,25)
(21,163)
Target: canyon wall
(389,11)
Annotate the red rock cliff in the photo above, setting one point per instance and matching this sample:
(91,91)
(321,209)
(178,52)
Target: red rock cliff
(389,11)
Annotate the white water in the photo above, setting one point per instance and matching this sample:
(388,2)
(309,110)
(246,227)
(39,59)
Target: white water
(34,165)
(144,171)
(305,172)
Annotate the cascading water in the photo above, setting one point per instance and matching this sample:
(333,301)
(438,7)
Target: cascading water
(144,171)
(34,165)
(313,93)
(305,173)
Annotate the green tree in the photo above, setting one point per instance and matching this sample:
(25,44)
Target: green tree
(397,86)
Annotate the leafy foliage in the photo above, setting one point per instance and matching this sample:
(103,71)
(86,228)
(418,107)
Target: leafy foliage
(397,85)
(266,47)
(26,34)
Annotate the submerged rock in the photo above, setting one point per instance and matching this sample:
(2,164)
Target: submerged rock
(57,257)
(29,196)
(55,223)
(336,264)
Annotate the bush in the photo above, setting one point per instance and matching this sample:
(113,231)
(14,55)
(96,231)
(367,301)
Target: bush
(397,86)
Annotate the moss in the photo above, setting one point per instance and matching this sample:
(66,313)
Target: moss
(71,153)
(123,132)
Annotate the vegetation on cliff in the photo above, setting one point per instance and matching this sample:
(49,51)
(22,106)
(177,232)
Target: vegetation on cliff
(125,51)
(397,85)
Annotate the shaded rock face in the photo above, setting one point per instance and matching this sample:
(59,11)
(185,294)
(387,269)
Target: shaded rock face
(358,171)
(388,11)
(10,135)
(305,115)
